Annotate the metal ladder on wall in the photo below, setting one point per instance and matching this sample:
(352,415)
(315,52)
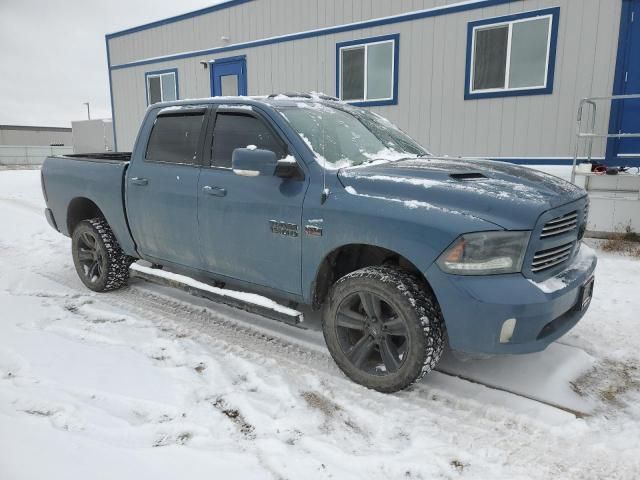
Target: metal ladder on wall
(615,199)
(591,134)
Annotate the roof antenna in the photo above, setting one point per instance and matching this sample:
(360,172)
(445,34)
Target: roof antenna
(325,191)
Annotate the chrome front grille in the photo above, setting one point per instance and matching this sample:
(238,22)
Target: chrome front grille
(554,239)
(560,225)
(549,258)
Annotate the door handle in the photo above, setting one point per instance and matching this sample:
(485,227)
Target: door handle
(139,181)
(215,191)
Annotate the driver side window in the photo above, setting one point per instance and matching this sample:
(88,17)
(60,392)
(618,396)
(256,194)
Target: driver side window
(236,130)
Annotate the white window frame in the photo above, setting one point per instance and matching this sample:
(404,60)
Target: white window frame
(507,73)
(366,59)
(160,75)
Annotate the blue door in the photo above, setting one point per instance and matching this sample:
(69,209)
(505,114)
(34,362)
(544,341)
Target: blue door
(229,77)
(249,226)
(625,115)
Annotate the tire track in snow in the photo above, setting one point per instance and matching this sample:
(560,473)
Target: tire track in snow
(226,324)
(442,370)
(441,412)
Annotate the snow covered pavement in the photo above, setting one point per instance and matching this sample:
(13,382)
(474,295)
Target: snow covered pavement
(148,382)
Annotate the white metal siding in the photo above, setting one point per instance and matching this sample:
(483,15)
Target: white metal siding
(29,154)
(431,105)
(254,21)
(34,136)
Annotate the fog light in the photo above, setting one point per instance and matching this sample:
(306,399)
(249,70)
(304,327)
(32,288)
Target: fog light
(507,330)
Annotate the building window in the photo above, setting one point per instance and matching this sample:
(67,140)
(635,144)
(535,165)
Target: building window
(367,71)
(512,55)
(162,86)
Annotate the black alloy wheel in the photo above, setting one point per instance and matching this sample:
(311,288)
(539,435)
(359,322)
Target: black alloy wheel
(383,327)
(371,333)
(100,262)
(91,256)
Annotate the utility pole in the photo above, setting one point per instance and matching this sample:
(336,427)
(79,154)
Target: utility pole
(88,110)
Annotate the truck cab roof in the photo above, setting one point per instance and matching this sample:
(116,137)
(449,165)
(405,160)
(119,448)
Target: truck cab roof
(273,100)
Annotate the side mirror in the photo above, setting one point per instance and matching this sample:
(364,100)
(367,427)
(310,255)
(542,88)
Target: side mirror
(251,162)
(288,168)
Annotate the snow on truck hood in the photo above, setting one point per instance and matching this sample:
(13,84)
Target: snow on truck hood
(508,195)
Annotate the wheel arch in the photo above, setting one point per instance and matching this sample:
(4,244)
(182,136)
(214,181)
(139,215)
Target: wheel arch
(79,209)
(350,257)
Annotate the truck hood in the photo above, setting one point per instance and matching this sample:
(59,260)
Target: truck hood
(505,194)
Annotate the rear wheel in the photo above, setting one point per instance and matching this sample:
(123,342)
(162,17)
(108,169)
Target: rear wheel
(383,330)
(100,262)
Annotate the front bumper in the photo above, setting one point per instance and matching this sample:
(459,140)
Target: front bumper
(475,307)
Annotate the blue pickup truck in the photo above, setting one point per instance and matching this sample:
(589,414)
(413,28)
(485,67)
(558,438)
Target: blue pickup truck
(315,201)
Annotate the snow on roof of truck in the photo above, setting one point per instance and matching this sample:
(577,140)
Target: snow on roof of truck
(280,99)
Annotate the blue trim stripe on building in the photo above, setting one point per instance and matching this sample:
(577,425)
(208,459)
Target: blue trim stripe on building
(160,72)
(177,18)
(406,17)
(555,15)
(396,56)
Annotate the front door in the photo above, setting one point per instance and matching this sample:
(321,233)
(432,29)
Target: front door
(249,226)
(626,114)
(229,77)
(162,185)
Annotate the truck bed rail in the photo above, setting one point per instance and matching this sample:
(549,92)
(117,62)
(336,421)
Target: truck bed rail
(110,157)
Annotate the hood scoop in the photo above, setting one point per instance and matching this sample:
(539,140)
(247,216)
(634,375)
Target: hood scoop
(467,176)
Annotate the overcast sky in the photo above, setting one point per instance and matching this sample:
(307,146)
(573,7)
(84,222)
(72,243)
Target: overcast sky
(53,55)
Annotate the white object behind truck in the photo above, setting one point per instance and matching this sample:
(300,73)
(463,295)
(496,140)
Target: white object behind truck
(92,136)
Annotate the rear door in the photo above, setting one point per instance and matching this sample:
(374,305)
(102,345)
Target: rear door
(162,187)
(249,226)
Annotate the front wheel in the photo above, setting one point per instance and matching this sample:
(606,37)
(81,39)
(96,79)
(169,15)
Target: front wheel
(382,329)
(100,262)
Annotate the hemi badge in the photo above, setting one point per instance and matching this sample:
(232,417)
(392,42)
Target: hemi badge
(284,228)
(313,231)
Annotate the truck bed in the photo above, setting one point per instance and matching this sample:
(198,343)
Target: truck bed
(71,181)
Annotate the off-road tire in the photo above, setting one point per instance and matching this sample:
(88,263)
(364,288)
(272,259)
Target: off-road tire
(423,322)
(114,263)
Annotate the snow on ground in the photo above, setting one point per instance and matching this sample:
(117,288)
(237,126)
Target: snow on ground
(148,382)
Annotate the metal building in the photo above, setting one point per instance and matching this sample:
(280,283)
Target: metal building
(34,136)
(29,145)
(495,78)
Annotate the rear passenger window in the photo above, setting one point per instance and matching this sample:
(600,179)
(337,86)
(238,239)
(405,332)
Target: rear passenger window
(174,138)
(235,130)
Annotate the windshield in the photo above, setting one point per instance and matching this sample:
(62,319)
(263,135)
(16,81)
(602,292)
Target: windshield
(342,137)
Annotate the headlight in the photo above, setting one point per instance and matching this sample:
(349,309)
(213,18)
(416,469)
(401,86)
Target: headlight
(485,253)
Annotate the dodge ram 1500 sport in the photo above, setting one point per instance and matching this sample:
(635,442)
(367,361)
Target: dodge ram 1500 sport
(318,202)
